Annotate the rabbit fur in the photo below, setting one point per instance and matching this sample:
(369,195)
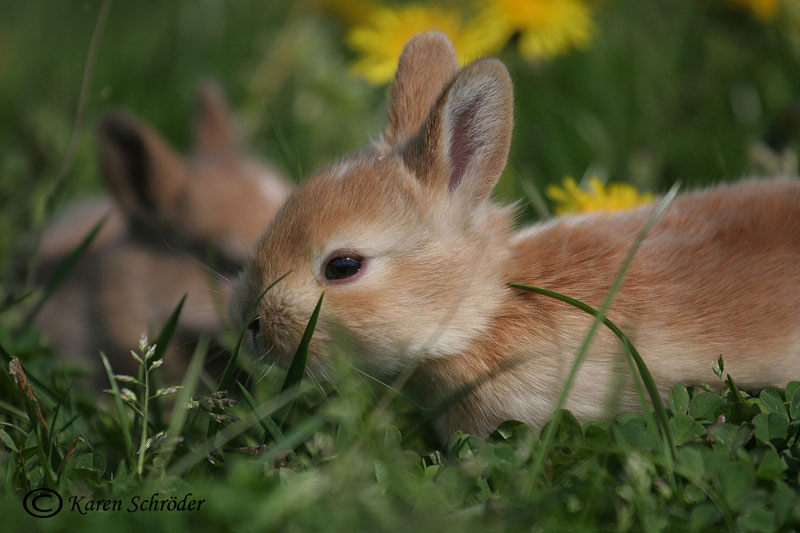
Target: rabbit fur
(717,275)
(165,213)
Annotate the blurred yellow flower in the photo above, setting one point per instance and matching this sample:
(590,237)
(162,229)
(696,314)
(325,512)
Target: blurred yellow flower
(762,9)
(380,40)
(597,198)
(547,27)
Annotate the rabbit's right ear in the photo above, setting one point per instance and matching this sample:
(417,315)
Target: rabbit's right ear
(213,127)
(463,146)
(145,175)
(426,66)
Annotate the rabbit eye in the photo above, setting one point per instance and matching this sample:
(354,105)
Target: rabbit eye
(343,267)
(254,326)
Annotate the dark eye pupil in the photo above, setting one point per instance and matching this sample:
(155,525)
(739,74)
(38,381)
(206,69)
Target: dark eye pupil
(342,267)
(253,326)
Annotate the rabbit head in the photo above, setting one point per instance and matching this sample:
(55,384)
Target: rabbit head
(401,237)
(217,196)
(166,213)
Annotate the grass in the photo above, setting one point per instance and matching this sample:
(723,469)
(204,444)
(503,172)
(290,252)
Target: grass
(337,466)
(340,461)
(658,96)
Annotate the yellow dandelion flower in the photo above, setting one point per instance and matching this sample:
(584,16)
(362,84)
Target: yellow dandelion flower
(762,9)
(381,39)
(547,27)
(597,198)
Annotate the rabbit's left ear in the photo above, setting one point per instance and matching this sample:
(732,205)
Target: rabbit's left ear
(463,146)
(144,173)
(426,66)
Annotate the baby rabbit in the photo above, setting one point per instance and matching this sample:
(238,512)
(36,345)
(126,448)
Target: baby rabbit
(166,213)
(415,261)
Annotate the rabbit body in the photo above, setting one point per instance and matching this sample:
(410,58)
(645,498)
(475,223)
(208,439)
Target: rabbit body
(717,275)
(415,261)
(165,214)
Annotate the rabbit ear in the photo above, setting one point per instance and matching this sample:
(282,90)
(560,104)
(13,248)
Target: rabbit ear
(213,128)
(427,64)
(144,173)
(463,146)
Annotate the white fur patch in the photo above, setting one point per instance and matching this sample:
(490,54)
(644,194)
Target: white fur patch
(273,189)
(342,169)
(529,232)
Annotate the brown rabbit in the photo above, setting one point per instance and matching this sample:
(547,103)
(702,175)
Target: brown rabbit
(415,261)
(165,214)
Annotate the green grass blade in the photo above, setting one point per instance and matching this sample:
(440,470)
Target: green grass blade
(289,160)
(649,383)
(230,367)
(228,433)
(63,269)
(298,367)
(294,438)
(68,423)
(599,318)
(168,330)
(35,419)
(737,395)
(161,346)
(53,437)
(181,410)
(12,411)
(535,197)
(123,420)
(269,426)
(227,375)
(12,300)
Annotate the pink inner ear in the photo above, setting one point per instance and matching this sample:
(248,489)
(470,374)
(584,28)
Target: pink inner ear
(462,141)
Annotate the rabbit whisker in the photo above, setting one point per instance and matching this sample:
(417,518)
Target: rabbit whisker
(190,257)
(389,387)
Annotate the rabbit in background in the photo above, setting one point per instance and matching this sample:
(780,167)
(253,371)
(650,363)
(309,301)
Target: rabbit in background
(415,262)
(165,214)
